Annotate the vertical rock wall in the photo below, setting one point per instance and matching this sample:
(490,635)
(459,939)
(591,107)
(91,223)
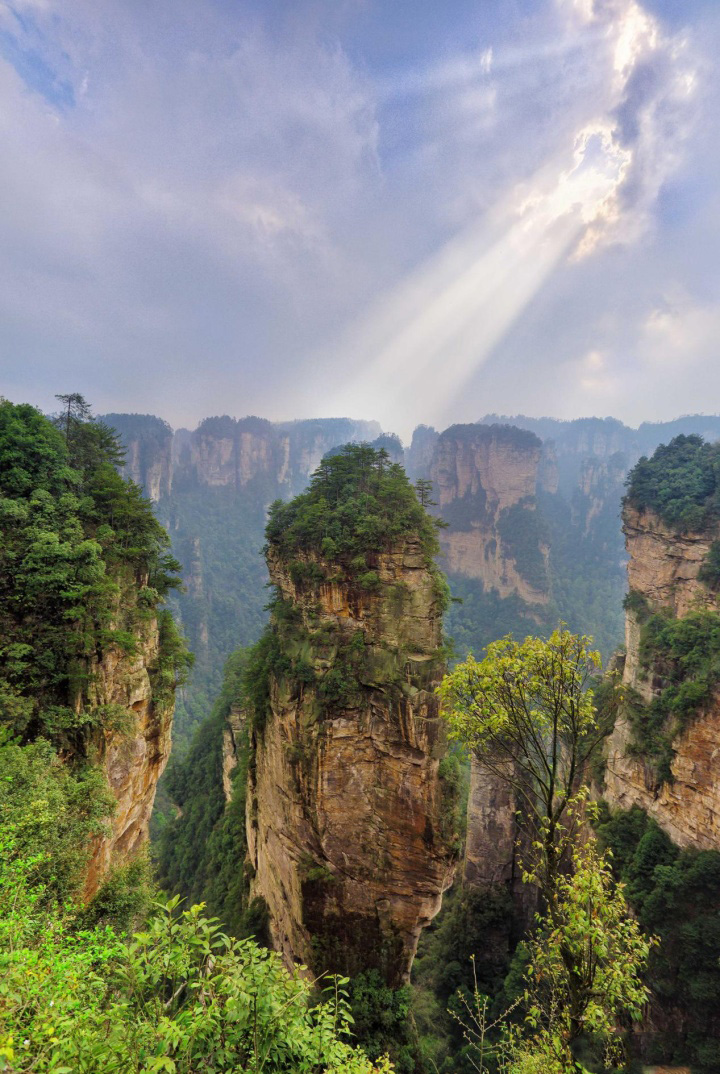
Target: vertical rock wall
(347,822)
(663,568)
(479,472)
(133,756)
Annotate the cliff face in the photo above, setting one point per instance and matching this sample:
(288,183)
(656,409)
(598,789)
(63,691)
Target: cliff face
(134,755)
(148,443)
(484,476)
(492,832)
(345,823)
(663,568)
(600,489)
(229,453)
(151,469)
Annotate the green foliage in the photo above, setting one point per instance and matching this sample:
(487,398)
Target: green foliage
(524,533)
(179,995)
(676,895)
(528,717)
(683,655)
(380,1020)
(709,572)
(586,958)
(123,900)
(201,851)
(174,660)
(580,981)
(679,483)
(477,616)
(468,944)
(637,603)
(362,503)
(78,545)
(51,810)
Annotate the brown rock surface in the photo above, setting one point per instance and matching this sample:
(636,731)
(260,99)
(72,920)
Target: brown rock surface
(345,825)
(478,472)
(490,851)
(664,568)
(133,758)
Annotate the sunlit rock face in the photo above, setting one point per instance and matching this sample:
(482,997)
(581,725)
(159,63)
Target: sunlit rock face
(347,821)
(663,567)
(277,457)
(134,755)
(479,474)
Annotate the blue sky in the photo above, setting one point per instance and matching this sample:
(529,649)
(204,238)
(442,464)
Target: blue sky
(412,212)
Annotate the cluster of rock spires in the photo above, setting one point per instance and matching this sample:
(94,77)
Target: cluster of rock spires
(348,840)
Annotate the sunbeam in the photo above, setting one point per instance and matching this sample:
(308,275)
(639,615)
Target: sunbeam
(443,322)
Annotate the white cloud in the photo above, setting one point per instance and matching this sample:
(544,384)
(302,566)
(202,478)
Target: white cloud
(229,192)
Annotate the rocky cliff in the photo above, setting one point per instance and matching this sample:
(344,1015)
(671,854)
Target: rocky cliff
(148,444)
(663,574)
(130,684)
(492,831)
(484,480)
(230,453)
(349,821)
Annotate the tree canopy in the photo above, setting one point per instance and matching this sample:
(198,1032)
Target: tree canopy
(357,504)
(680,482)
(526,713)
(72,529)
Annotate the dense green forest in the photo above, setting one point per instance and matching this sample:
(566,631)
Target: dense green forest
(113,984)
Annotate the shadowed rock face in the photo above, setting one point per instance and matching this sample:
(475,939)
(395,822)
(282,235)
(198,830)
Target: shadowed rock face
(133,758)
(479,472)
(346,813)
(492,830)
(664,568)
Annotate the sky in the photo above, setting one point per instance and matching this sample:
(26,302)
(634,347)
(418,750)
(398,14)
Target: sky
(413,212)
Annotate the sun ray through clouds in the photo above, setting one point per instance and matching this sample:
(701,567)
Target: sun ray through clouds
(441,323)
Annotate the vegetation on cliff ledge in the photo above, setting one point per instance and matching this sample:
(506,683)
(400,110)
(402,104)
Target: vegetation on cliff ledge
(680,483)
(358,504)
(682,658)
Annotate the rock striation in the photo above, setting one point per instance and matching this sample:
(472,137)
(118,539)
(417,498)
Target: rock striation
(133,754)
(229,453)
(484,480)
(347,813)
(663,569)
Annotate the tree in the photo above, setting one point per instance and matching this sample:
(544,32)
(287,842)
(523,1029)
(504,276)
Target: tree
(75,411)
(423,488)
(528,716)
(526,713)
(583,977)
